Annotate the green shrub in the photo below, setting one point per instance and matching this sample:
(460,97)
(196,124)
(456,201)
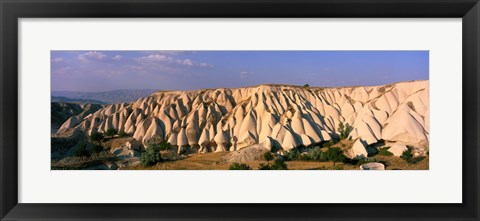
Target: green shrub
(384,152)
(263,166)
(344,130)
(164,145)
(123,134)
(293,154)
(111,132)
(364,161)
(279,165)
(335,154)
(314,154)
(407,154)
(329,143)
(82,151)
(268,156)
(97,148)
(151,155)
(96,136)
(239,166)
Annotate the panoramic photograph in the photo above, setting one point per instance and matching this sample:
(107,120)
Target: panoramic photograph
(239,110)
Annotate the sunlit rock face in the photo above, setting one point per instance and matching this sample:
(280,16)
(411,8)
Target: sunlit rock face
(277,116)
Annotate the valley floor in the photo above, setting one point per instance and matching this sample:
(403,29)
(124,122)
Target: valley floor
(215,161)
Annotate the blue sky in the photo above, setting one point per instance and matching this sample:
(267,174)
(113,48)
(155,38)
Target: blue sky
(189,70)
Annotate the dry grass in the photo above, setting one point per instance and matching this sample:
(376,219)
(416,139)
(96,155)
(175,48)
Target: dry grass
(397,163)
(215,161)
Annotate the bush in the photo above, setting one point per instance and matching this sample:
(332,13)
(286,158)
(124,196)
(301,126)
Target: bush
(329,143)
(279,165)
(293,154)
(407,154)
(364,161)
(96,136)
(335,154)
(164,145)
(97,148)
(384,152)
(344,130)
(314,154)
(81,151)
(111,132)
(239,166)
(151,155)
(268,156)
(263,166)
(123,134)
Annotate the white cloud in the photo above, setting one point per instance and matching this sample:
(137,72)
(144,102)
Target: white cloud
(57,59)
(157,57)
(63,70)
(92,55)
(186,62)
(244,74)
(117,57)
(170,60)
(205,65)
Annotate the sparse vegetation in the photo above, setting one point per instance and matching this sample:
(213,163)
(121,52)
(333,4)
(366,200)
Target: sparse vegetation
(122,133)
(293,154)
(239,166)
(335,154)
(164,145)
(407,154)
(384,151)
(97,148)
(344,130)
(278,164)
(330,143)
(82,151)
(151,156)
(111,132)
(268,156)
(364,161)
(96,136)
(314,154)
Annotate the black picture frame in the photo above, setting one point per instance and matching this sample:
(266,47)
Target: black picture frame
(12,10)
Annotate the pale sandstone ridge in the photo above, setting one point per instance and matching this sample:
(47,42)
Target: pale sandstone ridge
(275,116)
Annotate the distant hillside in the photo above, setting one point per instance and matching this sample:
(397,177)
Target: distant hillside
(275,116)
(76,101)
(110,97)
(60,112)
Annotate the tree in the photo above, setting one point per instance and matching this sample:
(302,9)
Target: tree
(335,154)
(407,154)
(96,136)
(151,156)
(122,134)
(268,156)
(239,166)
(111,132)
(344,130)
(164,145)
(279,165)
(81,150)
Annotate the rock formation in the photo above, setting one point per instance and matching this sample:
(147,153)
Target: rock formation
(276,116)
